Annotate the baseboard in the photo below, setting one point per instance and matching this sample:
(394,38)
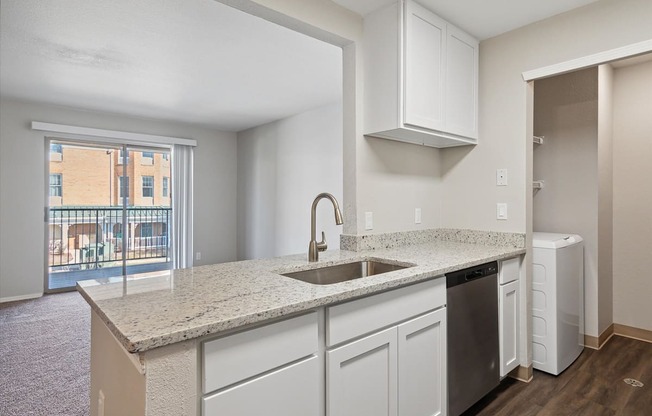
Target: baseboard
(631,332)
(522,373)
(598,342)
(21,297)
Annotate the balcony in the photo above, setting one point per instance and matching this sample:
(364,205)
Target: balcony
(90,242)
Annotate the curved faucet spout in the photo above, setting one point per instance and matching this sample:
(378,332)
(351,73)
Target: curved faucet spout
(315,247)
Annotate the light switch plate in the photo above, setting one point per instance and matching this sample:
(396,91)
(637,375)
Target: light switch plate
(501,211)
(417,215)
(368,220)
(501,177)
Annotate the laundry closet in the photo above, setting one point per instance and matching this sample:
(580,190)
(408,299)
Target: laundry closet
(592,146)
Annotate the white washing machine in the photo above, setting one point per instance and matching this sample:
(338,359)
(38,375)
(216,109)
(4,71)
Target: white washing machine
(557,300)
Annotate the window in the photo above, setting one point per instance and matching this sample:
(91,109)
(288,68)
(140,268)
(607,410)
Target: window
(124,157)
(166,190)
(148,154)
(148,186)
(124,186)
(56,148)
(146,230)
(166,156)
(55,184)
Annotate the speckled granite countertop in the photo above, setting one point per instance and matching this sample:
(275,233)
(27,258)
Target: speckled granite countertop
(172,306)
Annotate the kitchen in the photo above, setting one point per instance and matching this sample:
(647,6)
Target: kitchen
(504,124)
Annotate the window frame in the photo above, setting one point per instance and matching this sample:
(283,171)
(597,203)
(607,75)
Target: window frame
(166,187)
(122,187)
(58,186)
(149,188)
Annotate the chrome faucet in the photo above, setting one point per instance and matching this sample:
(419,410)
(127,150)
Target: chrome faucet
(315,247)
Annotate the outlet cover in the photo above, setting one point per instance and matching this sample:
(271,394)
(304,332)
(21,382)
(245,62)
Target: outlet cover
(198,255)
(501,177)
(368,220)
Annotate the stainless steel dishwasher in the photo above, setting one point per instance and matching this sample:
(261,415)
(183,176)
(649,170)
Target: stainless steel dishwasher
(473,350)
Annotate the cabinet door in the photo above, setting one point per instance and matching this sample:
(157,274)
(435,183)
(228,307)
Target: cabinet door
(290,391)
(361,377)
(461,83)
(508,326)
(423,76)
(422,365)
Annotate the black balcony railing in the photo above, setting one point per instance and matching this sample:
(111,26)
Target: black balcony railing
(83,238)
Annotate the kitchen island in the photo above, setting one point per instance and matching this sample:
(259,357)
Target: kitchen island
(149,332)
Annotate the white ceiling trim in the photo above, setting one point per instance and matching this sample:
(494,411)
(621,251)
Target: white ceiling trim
(589,61)
(112,136)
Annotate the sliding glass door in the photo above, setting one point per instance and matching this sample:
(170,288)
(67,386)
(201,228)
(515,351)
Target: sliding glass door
(109,211)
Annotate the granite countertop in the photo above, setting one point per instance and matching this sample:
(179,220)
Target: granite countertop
(163,308)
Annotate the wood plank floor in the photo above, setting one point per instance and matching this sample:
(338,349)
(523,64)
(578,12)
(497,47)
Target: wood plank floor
(592,386)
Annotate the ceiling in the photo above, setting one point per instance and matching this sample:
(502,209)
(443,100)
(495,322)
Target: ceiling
(195,61)
(483,19)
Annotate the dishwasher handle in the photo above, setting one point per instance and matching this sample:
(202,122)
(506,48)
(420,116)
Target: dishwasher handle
(476,274)
(472,273)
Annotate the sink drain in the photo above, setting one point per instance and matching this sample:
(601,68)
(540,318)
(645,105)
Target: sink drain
(633,382)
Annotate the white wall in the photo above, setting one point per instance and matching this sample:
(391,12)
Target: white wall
(282,167)
(505,123)
(22,188)
(503,141)
(566,113)
(632,192)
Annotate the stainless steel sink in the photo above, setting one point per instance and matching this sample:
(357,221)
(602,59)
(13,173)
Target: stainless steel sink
(344,272)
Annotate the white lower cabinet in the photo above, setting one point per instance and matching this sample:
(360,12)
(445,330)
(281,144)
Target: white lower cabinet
(290,391)
(273,370)
(508,326)
(361,377)
(422,365)
(397,371)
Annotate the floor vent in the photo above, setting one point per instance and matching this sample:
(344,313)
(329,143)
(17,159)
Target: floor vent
(633,382)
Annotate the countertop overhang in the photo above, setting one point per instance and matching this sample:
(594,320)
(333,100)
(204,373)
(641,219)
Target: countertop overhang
(163,308)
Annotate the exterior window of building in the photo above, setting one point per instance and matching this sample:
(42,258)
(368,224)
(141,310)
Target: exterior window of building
(123,158)
(55,184)
(146,230)
(148,154)
(166,156)
(56,148)
(148,186)
(166,191)
(124,187)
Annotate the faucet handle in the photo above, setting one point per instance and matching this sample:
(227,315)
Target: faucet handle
(322,246)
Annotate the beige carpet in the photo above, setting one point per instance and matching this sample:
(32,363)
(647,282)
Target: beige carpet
(45,356)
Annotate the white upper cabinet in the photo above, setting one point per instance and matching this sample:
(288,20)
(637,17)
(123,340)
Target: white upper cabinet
(421,78)
(425,41)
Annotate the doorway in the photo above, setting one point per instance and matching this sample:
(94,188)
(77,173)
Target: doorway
(109,211)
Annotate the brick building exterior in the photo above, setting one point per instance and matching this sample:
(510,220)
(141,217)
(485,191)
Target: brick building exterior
(91,177)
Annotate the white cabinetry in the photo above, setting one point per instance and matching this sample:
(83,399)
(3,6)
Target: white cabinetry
(271,370)
(421,78)
(399,370)
(422,365)
(362,377)
(508,313)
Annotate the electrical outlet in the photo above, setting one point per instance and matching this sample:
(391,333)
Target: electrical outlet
(501,177)
(198,255)
(368,220)
(417,215)
(501,211)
